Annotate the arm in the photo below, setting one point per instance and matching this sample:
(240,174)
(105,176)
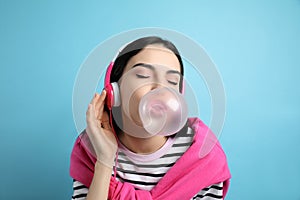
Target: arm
(105,145)
(100,183)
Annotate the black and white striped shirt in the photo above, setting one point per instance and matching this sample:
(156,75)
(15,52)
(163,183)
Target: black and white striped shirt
(145,171)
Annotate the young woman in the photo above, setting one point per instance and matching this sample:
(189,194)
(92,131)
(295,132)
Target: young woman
(125,166)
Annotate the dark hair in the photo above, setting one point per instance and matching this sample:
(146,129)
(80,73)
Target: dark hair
(134,48)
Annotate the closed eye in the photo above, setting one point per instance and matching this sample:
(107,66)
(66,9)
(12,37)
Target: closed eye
(142,76)
(172,82)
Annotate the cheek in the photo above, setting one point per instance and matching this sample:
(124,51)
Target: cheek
(134,103)
(131,94)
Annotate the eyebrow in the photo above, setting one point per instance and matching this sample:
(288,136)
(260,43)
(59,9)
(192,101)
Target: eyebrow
(143,65)
(153,68)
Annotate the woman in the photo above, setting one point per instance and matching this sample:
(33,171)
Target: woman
(125,166)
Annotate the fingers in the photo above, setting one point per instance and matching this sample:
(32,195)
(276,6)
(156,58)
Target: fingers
(100,101)
(90,116)
(95,109)
(103,95)
(93,101)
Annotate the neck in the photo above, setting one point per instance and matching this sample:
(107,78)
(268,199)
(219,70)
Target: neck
(142,145)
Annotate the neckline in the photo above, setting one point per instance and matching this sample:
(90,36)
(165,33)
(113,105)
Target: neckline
(148,157)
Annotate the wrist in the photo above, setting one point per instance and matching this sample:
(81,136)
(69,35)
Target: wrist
(103,164)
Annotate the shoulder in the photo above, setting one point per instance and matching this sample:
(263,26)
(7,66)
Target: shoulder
(204,137)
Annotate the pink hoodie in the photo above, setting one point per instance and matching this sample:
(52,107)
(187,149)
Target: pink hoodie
(185,179)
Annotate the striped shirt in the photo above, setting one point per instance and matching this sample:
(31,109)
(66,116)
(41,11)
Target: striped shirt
(145,171)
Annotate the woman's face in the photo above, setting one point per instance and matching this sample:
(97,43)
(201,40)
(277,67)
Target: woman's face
(154,66)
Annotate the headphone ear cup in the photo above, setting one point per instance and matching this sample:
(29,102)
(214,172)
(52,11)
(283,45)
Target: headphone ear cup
(112,95)
(116,94)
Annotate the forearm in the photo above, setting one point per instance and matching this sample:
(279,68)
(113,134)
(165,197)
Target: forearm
(100,184)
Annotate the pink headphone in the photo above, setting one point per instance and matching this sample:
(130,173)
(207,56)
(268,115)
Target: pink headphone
(112,89)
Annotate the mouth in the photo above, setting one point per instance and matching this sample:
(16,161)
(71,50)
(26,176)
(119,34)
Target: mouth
(157,109)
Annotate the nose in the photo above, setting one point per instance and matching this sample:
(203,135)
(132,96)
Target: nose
(158,81)
(156,85)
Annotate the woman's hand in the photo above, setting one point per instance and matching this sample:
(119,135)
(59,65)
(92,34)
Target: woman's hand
(100,132)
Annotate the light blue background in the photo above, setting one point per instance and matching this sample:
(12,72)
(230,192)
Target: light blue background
(255,45)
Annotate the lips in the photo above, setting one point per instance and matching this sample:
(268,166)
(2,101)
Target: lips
(157,109)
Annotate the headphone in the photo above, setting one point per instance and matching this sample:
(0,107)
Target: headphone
(112,89)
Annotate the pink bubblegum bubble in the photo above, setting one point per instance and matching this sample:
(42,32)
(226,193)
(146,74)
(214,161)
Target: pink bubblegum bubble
(163,111)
